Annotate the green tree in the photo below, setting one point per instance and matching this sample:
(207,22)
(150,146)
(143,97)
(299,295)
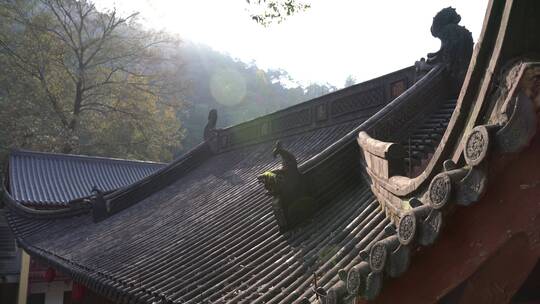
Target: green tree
(266,12)
(84,81)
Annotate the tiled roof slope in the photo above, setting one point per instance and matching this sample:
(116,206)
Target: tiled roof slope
(51,179)
(210,235)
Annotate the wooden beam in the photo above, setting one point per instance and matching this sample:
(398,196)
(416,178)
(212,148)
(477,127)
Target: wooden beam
(499,278)
(23,278)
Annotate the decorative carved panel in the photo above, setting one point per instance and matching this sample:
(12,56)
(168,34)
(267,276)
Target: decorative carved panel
(292,120)
(332,108)
(321,112)
(245,134)
(364,100)
(397,88)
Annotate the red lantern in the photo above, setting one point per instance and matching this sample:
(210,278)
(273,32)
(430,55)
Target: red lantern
(50,274)
(77,292)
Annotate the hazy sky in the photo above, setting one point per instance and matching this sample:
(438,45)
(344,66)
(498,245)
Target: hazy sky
(333,39)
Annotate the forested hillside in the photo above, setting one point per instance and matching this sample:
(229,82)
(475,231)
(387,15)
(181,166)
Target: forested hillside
(78,80)
(238,90)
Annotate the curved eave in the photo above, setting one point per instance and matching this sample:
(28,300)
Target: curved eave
(494,122)
(495,48)
(495,242)
(53,180)
(76,207)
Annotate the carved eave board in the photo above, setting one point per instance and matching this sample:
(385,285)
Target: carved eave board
(495,120)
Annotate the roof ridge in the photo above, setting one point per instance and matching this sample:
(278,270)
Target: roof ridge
(431,76)
(325,96)
(83,157)
(126,196)
(325,110)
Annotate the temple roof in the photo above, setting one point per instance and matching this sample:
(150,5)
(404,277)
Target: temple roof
(211,236)
(366,179)
(53,179)
(211,232)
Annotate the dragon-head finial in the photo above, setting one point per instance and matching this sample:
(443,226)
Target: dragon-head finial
(443,18)
(212,117)
(456,46)
(210,128)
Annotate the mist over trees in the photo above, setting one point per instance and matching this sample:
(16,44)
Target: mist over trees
(78,80)
(239,91)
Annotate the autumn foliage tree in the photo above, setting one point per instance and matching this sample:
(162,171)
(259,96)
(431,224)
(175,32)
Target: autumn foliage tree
(77,80)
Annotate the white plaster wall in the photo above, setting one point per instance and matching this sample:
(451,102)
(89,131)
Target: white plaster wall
(54,291)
